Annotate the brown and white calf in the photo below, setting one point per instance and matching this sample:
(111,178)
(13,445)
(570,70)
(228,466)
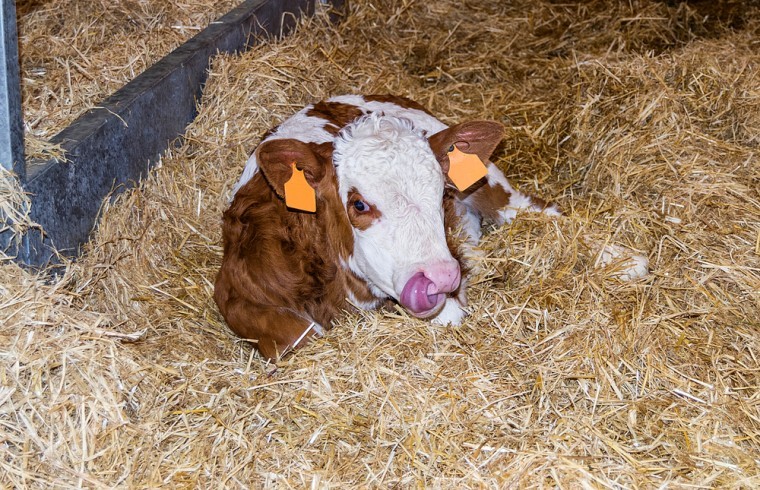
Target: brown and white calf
(385,213)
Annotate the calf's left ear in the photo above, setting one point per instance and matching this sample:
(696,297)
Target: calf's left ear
(276,159)
(474,137)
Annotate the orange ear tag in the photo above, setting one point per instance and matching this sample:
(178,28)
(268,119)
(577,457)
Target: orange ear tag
(465,168)
(298,193)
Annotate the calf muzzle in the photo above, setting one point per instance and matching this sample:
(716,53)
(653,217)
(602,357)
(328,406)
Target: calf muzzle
(425,292)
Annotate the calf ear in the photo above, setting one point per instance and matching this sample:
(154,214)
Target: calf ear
(475,137)
(276,158)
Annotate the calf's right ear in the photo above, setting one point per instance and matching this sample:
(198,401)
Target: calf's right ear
(275,158)
(475,137)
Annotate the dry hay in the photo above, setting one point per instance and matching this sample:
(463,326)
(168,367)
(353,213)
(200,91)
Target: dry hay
(74,54)
(642,121)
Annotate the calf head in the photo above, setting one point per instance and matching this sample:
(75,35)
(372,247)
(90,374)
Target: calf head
(391,180)
(388,179)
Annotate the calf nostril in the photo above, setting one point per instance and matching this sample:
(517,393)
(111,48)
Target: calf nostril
(448,277)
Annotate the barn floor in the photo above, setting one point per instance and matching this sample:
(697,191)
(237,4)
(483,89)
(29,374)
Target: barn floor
(641,119)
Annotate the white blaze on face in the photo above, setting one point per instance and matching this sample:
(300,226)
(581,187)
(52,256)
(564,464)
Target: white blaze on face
(392,187)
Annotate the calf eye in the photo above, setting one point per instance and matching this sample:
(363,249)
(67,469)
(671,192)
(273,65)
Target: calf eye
(361,206)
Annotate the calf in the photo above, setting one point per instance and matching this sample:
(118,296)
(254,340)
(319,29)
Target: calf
(386,210)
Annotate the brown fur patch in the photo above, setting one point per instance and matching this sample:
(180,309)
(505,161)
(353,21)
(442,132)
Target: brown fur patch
(538,202)
(337,115)
(488,200)
(360,290)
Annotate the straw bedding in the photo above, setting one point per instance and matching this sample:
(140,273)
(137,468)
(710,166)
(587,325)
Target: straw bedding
(641,119)
(74,54)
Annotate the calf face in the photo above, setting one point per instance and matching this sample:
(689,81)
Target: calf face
(391,180)
(392,188)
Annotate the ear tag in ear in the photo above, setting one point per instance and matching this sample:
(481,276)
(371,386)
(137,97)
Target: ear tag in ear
(465,168)
(298,193)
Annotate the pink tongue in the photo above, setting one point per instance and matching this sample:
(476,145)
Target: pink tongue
(415,295)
